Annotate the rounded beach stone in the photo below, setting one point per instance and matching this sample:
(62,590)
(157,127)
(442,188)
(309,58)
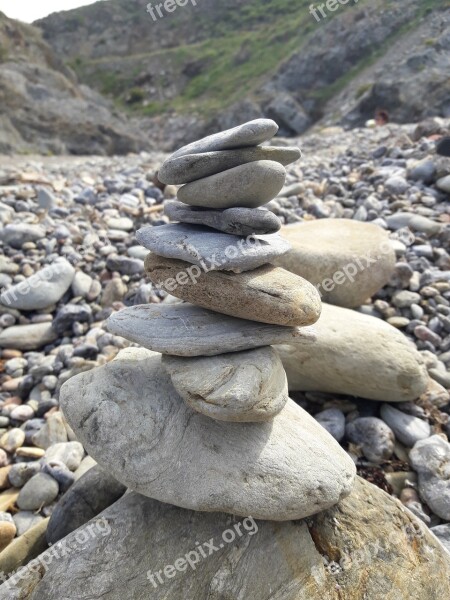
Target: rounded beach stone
(237,387)
(250,185)
(186,330)
(191,167)
(248,134)
(348,260)
(211,250)
(287,469)
(235,221)
(266,295)
(358,355)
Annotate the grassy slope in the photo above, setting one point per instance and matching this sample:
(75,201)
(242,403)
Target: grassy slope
(243,49)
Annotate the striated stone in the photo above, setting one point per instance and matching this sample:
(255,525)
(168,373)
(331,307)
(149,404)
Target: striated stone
(235,221)
(286,469)
(248,134)
(250,186)
(348,260)
(186,330)
(192,167)
(266,295)
(211,250)
(355,547)
(358,355)
(237,387)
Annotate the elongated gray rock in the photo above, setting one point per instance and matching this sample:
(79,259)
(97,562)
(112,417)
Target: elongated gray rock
(286,469)
(248,134)
(347,260)
(144,549)
(266,295)
(191,167)
(211,250)
(186,330)
(250,186)
(357,355)
(44,288)
(236,221)
(237,387)
(27,337)
(407,428)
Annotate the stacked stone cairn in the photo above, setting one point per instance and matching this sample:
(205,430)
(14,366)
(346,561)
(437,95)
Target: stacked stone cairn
(206,394)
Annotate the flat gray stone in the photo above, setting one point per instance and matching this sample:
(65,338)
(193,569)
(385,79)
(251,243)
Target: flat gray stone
(356,355)
(212,250)
(430,458)
(442,532)
(44,288)
(407,428)
(248,134)
(267,294)
(191,167)
(286,469)
(17,234)
(236,387)
(250,185)
(186,330)
(27,337)
(125,551)
(235,221)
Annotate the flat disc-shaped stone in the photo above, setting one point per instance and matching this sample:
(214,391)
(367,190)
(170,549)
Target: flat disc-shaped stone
(236,221)
(267,294)
(186,330)
(212,250)
(250,185)
(191,167)
(248,134)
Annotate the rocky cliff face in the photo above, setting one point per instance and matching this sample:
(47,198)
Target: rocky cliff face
(44,110)
(214,65)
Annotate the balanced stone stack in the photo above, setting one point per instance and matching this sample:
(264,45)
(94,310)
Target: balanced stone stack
(237,443)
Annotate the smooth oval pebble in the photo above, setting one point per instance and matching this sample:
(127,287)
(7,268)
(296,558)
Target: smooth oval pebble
(250,185)
(186,330)
(191,167)
(266,295)
(248,134)
(235,221)
(407,428)
(211,250)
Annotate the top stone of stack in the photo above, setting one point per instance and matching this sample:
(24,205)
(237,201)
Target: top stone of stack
(230,169)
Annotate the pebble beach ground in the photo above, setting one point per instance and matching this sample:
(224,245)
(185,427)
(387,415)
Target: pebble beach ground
(87,210)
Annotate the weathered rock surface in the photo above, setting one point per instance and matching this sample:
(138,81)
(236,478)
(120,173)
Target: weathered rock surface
(358,355)
(250,185)
(431,459)
(191,167)
(347,259)
(238,387)
(313,560)
(89,496)
(218,251)
(286,469)
(266,295)
(236,221)
(186,330)
(42,289)
(252,133)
